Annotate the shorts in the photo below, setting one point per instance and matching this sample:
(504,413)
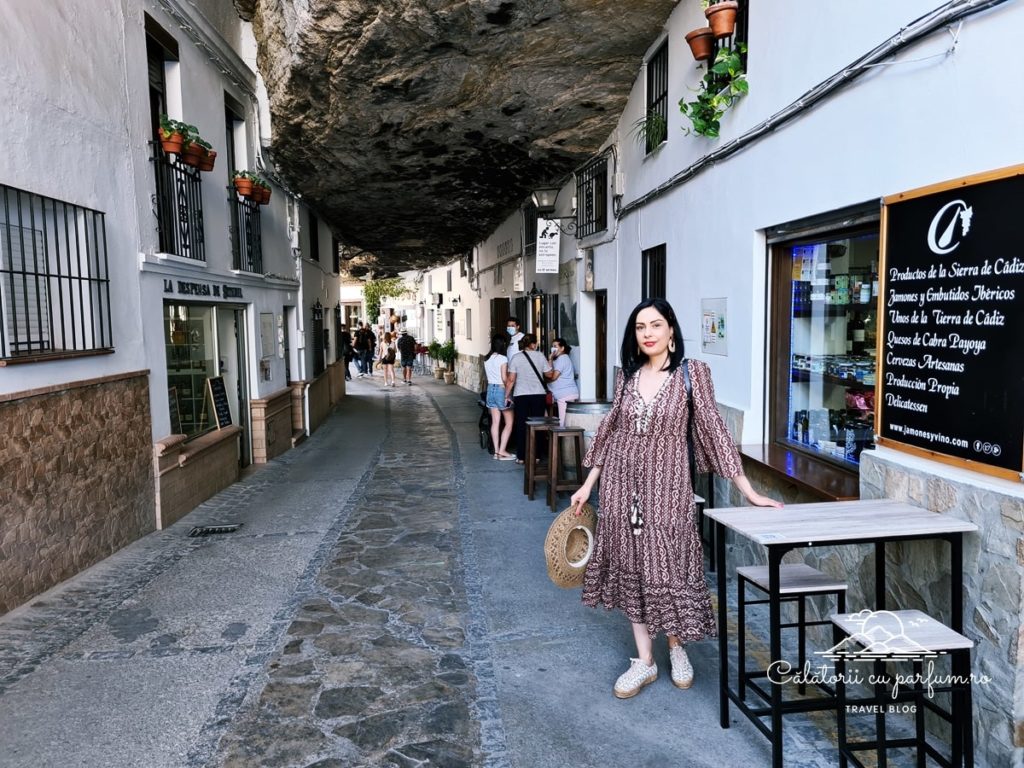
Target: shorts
(496,397)
(406,362)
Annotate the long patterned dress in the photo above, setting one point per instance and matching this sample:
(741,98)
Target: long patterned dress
(656,576)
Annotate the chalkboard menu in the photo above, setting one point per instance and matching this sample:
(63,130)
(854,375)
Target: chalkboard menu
(172,402)
(952,320)
(219,395)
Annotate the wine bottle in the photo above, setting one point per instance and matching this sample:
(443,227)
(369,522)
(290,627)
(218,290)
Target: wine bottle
(855,334)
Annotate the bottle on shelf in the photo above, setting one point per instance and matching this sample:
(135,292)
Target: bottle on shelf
(849,333)
(855,334)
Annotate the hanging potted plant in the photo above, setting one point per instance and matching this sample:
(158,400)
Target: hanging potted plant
(720,88)
(701,42)
(243,183)
(207,163)
(172,135)
(722,17)
(194,152)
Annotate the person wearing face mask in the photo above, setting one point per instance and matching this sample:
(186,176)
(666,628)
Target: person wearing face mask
(515,336)
(562,377)
(648,561)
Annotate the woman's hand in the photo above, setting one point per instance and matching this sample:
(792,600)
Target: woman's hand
(755,498)
(578,499)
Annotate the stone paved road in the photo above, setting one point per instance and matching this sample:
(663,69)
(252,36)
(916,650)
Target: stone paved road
(385,603)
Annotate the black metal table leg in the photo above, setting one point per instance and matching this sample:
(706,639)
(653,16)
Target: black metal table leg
(723,628)
(774,620)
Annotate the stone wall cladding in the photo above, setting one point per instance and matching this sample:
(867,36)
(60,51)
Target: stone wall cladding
(319,398)
(76,481)
(190,473)
(993,570)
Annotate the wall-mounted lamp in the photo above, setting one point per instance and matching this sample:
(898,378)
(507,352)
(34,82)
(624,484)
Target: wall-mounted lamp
(535,291)
(544,199)
(456,300)
(318,310)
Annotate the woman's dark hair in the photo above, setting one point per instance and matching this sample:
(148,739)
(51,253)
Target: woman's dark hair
(632,356)
(563,344)
(499,346)
(526,341)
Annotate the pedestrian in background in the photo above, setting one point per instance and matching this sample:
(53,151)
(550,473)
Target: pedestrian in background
(387,354)
(345,350)
(526,386)
(407,352)
(562,377)
(371,346)
(359,349)
(648,561)
(498,401)
(515,336)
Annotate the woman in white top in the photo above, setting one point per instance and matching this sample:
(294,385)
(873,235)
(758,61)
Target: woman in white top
(526,384)
(500,406)
(562,377)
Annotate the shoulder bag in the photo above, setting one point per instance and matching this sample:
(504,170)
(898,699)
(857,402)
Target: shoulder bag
(549,398)
(689,421)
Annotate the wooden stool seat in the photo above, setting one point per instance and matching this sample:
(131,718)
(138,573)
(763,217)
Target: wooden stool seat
(557,481)
(915,637)
(793,578)
(534,471)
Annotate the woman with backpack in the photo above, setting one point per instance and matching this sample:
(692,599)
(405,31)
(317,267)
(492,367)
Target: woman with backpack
(386,356)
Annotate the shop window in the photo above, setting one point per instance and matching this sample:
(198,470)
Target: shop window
(824,354)
(653,282)
(592,198)
(656,111)
(189,341)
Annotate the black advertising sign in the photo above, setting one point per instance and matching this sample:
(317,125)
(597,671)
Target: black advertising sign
(172,404)
(219,395)
(952,321)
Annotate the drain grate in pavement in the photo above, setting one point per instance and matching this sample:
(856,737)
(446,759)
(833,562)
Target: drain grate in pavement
(206,530)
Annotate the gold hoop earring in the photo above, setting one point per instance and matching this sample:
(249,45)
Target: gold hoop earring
(671,345)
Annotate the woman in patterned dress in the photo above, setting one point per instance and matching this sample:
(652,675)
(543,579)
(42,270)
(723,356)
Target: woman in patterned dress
(648,561)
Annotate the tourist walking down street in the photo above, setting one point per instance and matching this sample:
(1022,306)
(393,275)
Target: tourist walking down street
(498,401)
(526,386)
(562,377)
(345,350)
(387,355)
(368,351)
(648,561)
(407,351)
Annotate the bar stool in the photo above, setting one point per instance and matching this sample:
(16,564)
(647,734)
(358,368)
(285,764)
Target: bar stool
(797,582)
(913,636)
(557,481)
(534,471)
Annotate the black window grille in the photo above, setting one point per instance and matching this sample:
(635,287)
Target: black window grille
(246,235)
(314,237)
(657,99)
(530,221)
(318,339)
(653,279)
(739,37)
(592,198)
(54,277)
(179,207)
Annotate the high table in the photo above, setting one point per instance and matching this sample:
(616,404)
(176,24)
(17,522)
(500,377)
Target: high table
(815,525)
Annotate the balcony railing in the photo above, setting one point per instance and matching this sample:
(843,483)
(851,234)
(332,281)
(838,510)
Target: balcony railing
(179,207)
(246,236)
(54,278)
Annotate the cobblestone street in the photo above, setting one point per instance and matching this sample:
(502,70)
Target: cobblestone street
(384,602)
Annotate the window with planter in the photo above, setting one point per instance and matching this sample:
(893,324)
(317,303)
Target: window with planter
(592,198)
(824,345)
(653,125)
(653,281)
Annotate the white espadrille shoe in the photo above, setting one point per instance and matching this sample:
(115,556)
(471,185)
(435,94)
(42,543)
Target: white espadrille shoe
(682,670)
(633,680)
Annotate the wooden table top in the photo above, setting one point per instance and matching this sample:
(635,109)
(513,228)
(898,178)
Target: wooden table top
(836,521)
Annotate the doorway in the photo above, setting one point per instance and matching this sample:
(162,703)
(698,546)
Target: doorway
(601,342)
(232,367)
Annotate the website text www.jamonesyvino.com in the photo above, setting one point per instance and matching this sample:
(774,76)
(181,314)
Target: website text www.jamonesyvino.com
(932,437)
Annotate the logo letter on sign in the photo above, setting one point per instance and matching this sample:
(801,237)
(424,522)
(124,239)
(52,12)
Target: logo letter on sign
(945,242)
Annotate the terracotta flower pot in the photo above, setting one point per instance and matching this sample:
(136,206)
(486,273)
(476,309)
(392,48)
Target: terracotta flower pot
(207,163)
(722,17)
(266,195)
(172,143)
(701,41)
(193,154)
(243,186)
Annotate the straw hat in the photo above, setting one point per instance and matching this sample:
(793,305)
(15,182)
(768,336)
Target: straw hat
(568,546)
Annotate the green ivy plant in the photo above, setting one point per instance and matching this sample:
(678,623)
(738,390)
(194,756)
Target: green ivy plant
(723,84)
(650,130)
(375,290)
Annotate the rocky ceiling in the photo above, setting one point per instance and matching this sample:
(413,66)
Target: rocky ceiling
(414,127)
